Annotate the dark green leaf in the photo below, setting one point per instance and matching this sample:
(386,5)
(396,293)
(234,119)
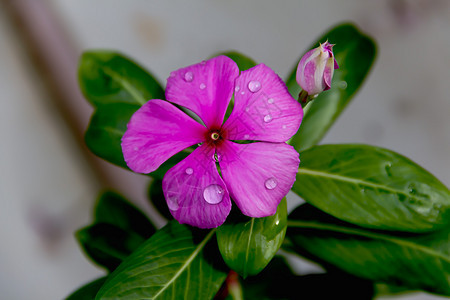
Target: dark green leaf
(372,187)
(243,62)
(113,209)
(108,245)
(247,245)
(175,263)
(156,195)
(355,54)
(88,291)
(416,261)
(108,77)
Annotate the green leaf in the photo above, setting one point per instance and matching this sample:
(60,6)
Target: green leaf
(175,263)
(244,62)
(156,196)
(415,261)
(355,54)
(248,245)
(107,77)
(88,291)
(113,209)
(108,245)
(372,187)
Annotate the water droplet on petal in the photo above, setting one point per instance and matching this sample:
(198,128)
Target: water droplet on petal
(246,136)
(216,157)
(136,149)
(243,92)
(202,86)
(270,183)
(270,100)
(189,171)
(173,74)
(247,109)
(172,201)
(254,86)
(267,118)
(237,88)
(213,194)
(284,126)
(188,76)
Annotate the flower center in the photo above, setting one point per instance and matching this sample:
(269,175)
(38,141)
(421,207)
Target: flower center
(215,136)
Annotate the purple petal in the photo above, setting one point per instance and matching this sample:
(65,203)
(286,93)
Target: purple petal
(205,88)
(263,109)
(194,191)
(157,131)
(258,175)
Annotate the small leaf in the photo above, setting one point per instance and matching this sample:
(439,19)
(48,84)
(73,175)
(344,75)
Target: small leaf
(113,209)
(88,291)
(244,62)
(175,263)
(415,261)
(248,245)
(156,195)
(355,54)
(372,187)
(108,77)
(108,245)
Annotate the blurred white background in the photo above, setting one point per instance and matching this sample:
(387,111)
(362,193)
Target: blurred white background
(48,184)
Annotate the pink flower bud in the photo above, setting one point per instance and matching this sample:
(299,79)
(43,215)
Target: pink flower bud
(315,69)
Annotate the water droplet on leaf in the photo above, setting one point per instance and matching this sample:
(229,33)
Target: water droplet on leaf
(188,76)
(270,183)
(213,194)
(254,86)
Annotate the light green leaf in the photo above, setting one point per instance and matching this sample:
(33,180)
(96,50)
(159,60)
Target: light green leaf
(415,261)
(88,291)
(109,77)
(372,187)
(355,53)
(175,263)
(248,244)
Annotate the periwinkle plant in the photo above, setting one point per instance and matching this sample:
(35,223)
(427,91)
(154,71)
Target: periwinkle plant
(362,221)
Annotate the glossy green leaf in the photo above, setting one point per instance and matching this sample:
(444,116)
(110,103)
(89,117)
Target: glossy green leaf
(247,245)
(355,53)
(156,196)
(108,77)
(177,262)
(108,245)
(417,261)
(372,187)
(88,291)
(113,209)
(244,62)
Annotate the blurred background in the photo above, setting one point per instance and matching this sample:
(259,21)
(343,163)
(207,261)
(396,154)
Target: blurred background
(48,180)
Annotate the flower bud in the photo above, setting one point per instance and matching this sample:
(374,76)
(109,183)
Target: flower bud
(315,70)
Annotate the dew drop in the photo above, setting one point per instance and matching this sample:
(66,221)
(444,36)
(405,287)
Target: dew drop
(188,76)
(189,171)
(216,157)
(243,92)
(267,118)
(284,126)
(254,86)
(202,86)
(270,183)
(213,194)
(277,222)
(172,201)
(343,85)
(246,136)
(237,88)
(270,100)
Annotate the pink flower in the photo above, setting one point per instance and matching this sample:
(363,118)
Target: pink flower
(255,175)
(315,69)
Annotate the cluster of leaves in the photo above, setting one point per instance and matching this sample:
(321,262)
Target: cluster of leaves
(371,215)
